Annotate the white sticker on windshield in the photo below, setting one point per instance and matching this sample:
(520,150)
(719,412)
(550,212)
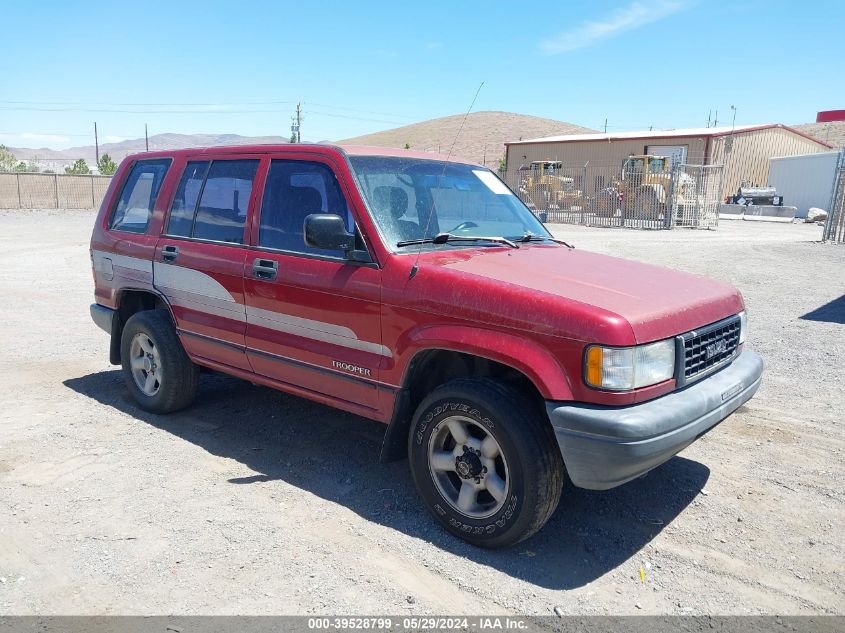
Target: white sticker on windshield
(493,184)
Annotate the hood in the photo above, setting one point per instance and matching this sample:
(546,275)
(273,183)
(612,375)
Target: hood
(657,302)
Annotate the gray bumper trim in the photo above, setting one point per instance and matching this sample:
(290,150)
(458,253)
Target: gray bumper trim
(604,447)
(103,317)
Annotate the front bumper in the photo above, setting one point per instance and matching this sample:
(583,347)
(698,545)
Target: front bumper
(604,447)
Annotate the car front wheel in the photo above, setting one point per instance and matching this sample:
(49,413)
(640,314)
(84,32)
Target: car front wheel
(485,462)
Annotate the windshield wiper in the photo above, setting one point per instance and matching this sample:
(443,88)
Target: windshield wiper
(443,238)
(531,237)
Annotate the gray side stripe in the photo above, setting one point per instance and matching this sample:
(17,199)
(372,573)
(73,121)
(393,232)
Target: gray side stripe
(283,322)
(207,305)
(107,266)
(124,261)
(198,291)
(168,276)
(314,330)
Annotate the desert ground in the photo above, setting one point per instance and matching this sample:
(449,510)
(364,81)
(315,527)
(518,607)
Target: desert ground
(256,502)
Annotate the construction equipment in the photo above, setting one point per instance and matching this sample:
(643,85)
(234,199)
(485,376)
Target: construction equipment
(546,187)
(644,189)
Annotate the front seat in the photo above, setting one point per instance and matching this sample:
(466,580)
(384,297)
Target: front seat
(391,205)
(299,202)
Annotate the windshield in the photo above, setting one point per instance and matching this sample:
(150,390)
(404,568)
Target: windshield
(406,195)
(632,166)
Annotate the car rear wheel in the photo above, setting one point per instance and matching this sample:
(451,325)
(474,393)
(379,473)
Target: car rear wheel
(485,462)
(156,369)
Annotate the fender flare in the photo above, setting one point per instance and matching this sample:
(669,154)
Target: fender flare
(523,355)
(512,350)
(117,324)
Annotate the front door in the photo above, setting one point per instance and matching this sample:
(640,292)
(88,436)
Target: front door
(312,317)
(200,258)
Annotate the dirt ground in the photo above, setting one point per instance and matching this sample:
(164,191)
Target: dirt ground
(255,502)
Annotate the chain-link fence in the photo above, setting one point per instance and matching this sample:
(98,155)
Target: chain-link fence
(52,191)
(834,228)
(696,196)
(642,192)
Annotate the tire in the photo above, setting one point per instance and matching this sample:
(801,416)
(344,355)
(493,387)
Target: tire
(521,486)
(647,206)
(156,369)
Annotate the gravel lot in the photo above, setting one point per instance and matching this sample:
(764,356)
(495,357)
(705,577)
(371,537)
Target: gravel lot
(255,502)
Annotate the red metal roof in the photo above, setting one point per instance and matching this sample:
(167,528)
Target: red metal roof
(829,116)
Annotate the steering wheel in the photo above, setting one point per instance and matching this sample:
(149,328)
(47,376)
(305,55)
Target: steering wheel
(463,225)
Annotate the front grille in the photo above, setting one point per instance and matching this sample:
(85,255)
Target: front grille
(709,347)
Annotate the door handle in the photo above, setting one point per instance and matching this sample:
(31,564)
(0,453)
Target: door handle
(169,253)
(265,269)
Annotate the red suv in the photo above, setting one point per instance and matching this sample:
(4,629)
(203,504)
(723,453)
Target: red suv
(416,290)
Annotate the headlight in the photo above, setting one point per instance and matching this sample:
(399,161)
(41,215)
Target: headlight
(626,368)
(743,326)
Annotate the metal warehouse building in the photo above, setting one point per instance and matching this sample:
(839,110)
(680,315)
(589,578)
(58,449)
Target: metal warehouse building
(743,150)
(805,181)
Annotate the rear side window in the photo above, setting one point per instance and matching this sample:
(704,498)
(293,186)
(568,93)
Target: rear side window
(139,195)
(185,203)
(212,200)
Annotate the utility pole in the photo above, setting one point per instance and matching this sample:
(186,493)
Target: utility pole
(295,123)
(96,144)
(146,138)
(716,120)
(709,116)
(729,142)
(605,125)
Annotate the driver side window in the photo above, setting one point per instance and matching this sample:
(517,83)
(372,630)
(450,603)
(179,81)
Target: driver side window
(295,189)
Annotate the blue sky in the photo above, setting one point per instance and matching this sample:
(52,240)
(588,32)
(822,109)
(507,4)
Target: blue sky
(359,67)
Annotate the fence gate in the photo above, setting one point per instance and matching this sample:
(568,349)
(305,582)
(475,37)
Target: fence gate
(695,196)
(635,193)
(834,228)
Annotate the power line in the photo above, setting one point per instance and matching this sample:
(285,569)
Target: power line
(52,134)
(390,114)
(114,111)
(103,106)
(107,103)
(352,118)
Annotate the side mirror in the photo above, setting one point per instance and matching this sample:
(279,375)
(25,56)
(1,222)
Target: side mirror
(328,231)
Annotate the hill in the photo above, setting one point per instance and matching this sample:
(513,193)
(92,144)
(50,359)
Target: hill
(832,133)
(481,140)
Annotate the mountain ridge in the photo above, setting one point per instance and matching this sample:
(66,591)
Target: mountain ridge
(481,139)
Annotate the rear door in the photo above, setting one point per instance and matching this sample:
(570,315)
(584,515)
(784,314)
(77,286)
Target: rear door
(200,257)
(313,318)
(122,257)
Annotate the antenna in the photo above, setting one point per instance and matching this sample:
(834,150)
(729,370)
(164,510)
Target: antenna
(416,267)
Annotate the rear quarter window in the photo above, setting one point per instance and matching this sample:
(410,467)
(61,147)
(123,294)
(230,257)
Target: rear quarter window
(138,196)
